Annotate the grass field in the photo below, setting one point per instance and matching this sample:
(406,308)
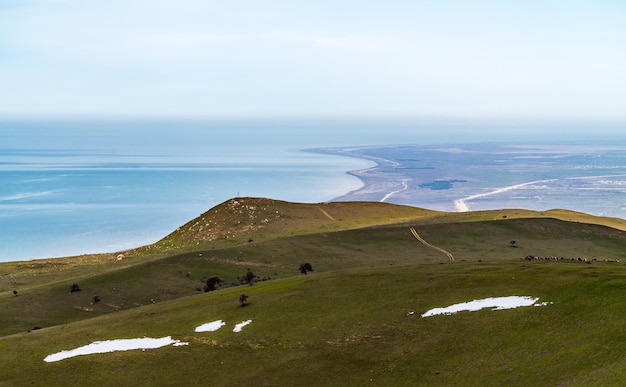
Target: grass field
(347,323)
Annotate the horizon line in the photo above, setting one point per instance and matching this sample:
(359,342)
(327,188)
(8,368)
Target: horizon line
(374,118)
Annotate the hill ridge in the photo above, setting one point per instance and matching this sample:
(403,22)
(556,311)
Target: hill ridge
(247,219)
(242,220)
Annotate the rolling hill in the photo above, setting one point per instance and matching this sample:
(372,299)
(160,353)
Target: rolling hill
(356,319)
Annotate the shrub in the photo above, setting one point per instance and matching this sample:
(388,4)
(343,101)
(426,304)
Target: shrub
(248,278)
(305,267)
(211,284)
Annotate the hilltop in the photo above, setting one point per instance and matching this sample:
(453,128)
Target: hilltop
(261,219)
(355,319)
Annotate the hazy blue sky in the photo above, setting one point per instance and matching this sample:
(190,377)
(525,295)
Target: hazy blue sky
(487,59)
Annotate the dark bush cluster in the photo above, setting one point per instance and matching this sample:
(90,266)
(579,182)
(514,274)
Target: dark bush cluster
(211,283)
(305,267)
(74,288)
(248,278)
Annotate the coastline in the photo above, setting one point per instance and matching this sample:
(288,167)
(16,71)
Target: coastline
(589,178)
(377,186)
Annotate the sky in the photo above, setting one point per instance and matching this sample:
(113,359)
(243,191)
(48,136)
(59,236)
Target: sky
(535,60)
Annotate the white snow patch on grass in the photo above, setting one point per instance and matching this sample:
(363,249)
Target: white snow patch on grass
(114,345)
(239,326)
(497,303)
(211,327)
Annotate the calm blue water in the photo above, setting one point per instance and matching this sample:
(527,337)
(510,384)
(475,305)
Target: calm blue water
(79,188)
(76,187)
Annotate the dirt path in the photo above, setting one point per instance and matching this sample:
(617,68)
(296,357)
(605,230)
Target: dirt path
(326,213)
(419,238)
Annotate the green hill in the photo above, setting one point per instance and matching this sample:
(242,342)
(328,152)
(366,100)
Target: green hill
(354,320)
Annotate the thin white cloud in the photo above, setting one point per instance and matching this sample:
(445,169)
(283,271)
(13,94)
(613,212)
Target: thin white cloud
(25,195)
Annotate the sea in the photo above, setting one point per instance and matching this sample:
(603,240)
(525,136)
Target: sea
(81,186)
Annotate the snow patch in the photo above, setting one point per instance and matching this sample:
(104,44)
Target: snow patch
(114,345)
(210,327)
(239,326)
(497,303)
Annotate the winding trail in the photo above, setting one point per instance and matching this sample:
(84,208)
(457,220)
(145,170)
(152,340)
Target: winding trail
(419,238)
(461,204)
(390,194)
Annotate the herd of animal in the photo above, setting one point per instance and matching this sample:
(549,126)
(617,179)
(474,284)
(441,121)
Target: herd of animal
(579,259)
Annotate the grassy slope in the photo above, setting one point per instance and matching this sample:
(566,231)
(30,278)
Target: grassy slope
(231,223)
(353,327)
(346,321)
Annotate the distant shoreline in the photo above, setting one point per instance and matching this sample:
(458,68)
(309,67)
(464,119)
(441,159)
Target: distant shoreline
(377,187)
(587,178)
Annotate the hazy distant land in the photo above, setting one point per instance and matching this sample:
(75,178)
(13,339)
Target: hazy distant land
(463,177)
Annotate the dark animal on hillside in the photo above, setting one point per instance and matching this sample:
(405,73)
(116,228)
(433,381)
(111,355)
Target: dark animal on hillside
(74,288)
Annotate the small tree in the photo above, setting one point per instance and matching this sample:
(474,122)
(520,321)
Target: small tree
(305,267)
(249,277)
(242,299)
